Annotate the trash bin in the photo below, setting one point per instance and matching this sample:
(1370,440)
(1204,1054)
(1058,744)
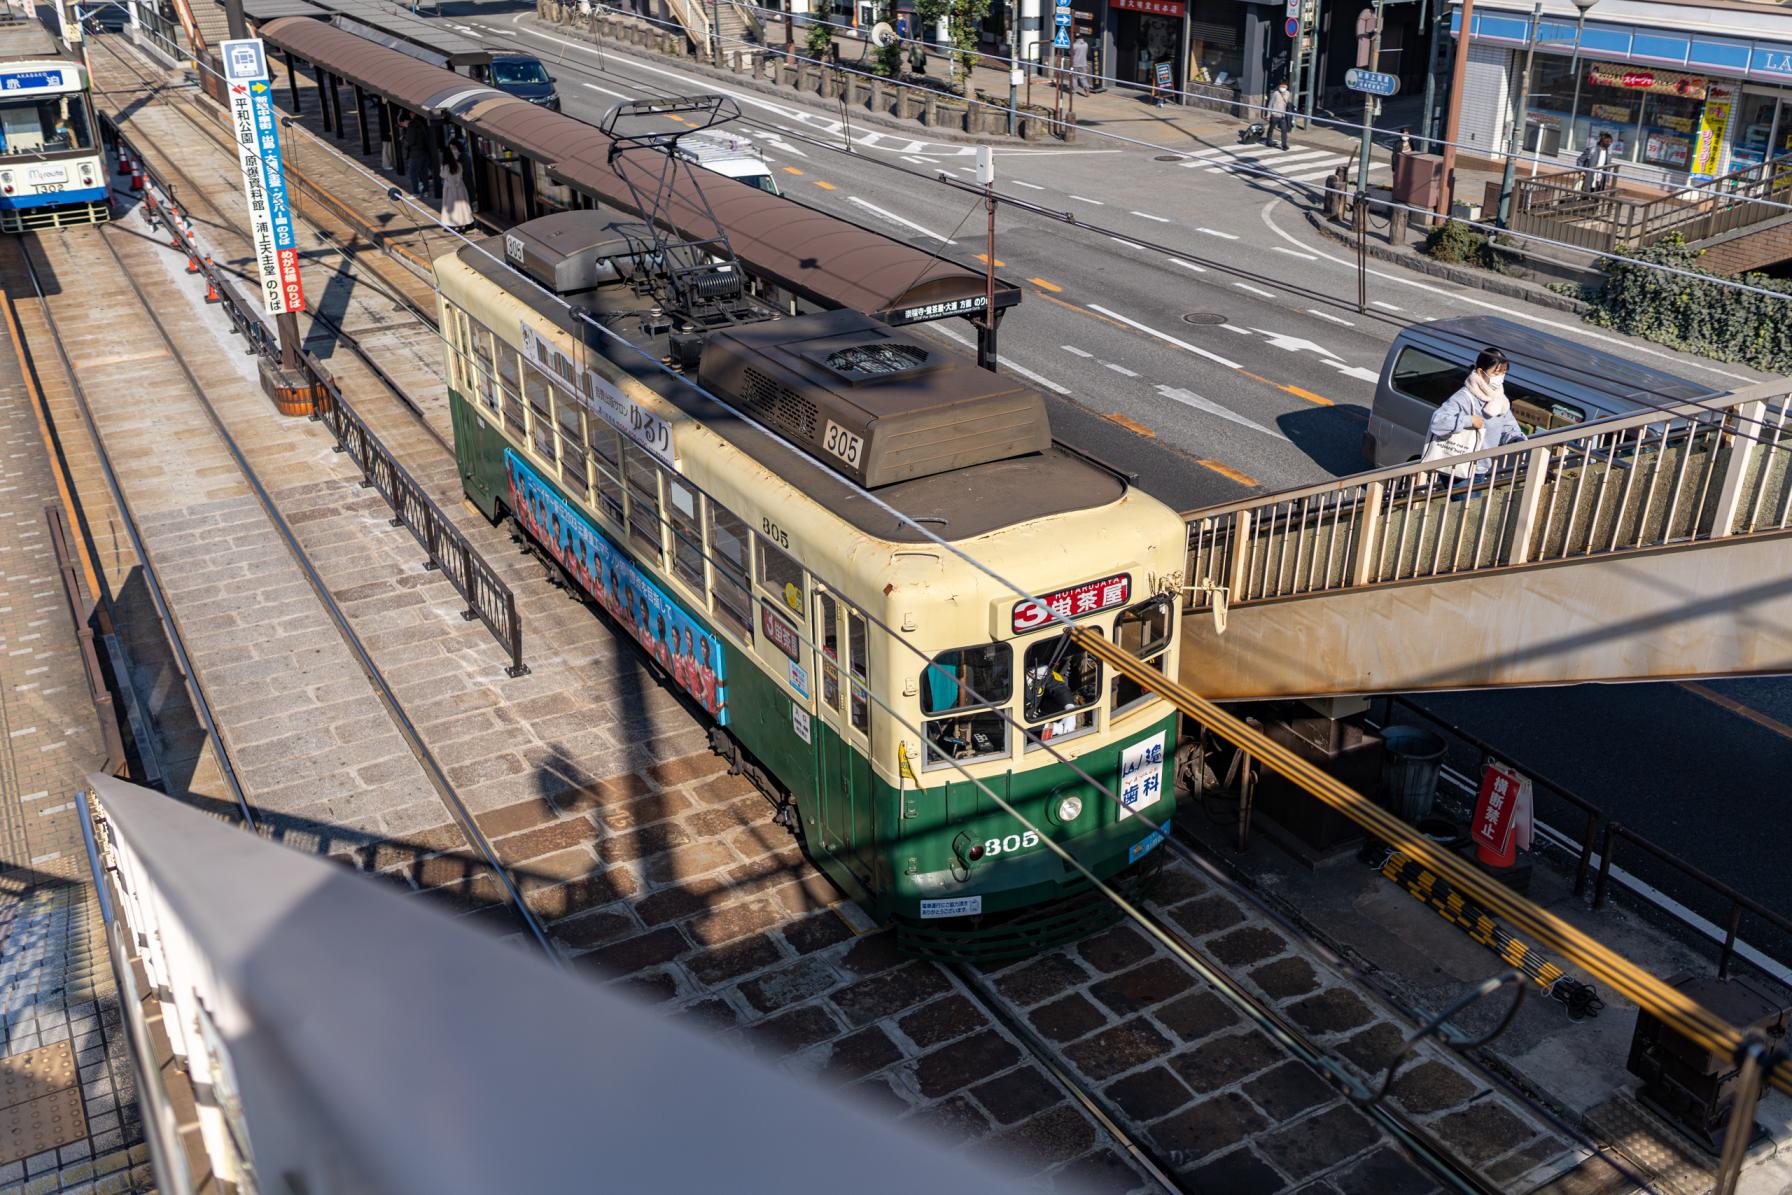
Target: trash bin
(1409,770)
(1418,179)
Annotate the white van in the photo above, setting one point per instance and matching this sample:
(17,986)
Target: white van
(726,154)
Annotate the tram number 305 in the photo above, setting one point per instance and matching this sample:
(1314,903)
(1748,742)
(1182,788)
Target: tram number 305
(843,444)
(1011,844)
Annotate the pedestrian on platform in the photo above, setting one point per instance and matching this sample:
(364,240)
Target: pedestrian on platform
(457,208)
(1477,416)
(1079,65)
(1593,160)
(419,156)
(1280,118)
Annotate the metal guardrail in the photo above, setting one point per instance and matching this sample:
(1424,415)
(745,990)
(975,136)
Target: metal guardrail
(1688,472)
(325,1034)
(1595,847)
(488,598)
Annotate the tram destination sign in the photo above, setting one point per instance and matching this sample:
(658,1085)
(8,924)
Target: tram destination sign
(264,177)
(1077,601)
(601,397)
(24,82)
(1372,82)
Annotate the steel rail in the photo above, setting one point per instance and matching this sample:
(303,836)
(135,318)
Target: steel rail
(1676,1010)
(395,710)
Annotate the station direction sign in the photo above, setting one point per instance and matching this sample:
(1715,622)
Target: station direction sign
(1372,82)
(253,124)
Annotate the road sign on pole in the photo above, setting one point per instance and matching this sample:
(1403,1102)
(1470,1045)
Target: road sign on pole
(1291,27)
(264,179)
(1372,82)
(1062,40)
(1062,18)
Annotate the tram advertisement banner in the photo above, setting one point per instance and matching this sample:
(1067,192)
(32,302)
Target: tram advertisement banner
(264,177)
(684,648)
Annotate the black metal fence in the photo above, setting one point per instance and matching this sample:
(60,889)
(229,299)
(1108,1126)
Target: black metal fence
(1648,871)
(488,598)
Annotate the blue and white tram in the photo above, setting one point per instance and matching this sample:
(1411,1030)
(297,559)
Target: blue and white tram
(52,168)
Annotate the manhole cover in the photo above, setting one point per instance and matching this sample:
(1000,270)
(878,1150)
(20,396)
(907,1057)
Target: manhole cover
(1203,317)
(1168,158)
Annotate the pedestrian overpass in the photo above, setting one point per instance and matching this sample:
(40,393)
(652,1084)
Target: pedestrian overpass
(1654,546)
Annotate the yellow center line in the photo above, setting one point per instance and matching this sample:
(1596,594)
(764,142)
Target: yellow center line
(1228,472)
(1042,284)
(825,186)
(1131,425)
(984,258)
(1736,707)
(791,170)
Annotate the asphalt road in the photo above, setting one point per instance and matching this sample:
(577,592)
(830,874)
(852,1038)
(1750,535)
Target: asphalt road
(1274,394)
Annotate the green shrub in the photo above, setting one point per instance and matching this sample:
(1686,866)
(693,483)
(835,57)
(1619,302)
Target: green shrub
(1712,320)
(819,39)
(1455,242)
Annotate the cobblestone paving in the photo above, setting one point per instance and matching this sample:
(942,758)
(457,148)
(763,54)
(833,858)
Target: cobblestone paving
(55,981)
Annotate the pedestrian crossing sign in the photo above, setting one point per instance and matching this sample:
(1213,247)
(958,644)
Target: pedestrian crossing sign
(1062,40)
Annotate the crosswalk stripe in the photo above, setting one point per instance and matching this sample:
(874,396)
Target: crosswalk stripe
(1310,157)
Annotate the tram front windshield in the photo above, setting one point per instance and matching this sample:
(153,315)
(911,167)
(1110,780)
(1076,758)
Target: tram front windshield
(44,124)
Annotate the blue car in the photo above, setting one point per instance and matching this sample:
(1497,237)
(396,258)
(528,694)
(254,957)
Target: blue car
(524,77)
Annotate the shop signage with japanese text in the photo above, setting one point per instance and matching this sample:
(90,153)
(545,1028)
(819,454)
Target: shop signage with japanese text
(1162,8)
(1637,78)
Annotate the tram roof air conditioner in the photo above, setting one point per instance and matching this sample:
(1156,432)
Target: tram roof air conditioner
(877,403)
(575,251)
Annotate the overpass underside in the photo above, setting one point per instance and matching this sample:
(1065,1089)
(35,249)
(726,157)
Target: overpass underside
(1651,547)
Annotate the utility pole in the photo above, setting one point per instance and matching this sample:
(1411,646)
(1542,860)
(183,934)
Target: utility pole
(986,343)
(1430,126)
(1013,70)
(789,33)
(1453,120)
(1515,134)
(1371,104)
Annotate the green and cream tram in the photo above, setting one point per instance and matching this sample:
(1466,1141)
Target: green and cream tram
(873,681)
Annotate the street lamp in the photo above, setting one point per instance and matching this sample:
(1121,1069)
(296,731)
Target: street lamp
(1580,27)
(1518,103)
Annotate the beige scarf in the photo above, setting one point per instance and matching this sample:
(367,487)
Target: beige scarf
(1490,393)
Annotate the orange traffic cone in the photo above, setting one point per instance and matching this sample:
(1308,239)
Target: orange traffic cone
(192,264)
(136,177)
(211,283)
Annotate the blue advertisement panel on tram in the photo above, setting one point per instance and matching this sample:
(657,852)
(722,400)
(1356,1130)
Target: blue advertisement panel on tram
(688,652)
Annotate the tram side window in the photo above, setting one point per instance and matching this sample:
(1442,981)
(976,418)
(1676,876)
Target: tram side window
(44,124)
(1060,683)
(1143,631)
(510,374)
(858,644)
(1430,379)
(537,389)
(687,533)
(643,478)
(781,576)
(482,362)
(571,419)
(969,685)
(606,460)
(733,601)
(827,637)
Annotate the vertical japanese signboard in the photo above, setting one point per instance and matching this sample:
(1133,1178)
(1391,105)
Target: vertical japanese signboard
(264,180)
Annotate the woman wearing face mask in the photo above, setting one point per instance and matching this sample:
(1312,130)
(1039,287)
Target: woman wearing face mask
(1477,416)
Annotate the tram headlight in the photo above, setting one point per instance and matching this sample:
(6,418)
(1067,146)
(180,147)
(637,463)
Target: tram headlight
(1069,809)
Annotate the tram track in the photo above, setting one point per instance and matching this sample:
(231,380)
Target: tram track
(456,809)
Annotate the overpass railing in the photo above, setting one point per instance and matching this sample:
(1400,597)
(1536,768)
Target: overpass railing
(1683,473)
(321,1033)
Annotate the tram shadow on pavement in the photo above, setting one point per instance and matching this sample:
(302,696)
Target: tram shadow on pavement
(1331,436)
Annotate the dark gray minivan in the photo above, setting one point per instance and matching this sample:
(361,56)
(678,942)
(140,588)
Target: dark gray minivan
(1554,382)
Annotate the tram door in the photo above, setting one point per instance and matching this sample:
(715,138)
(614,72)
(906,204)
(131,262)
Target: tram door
(843,744)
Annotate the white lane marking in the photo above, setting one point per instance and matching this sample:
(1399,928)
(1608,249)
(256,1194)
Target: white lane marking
(1334,319)
(1029,186)
(1120,369)
(1149,216)
(915,160)
(1383,306)
(1294,253)
(1307,176)
(1240,331)
(1214,232)
(1352,371)
(1255,290)
(1071,348)
(618,94)
(1189,398)
(903,220)
(1085,199)
(1507,308)
(1166,338)
(1188,265)
(1005,362)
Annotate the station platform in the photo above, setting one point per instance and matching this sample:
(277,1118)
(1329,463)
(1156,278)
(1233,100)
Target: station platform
(651,867)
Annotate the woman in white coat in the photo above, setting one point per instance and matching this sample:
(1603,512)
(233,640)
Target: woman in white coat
(1477,416)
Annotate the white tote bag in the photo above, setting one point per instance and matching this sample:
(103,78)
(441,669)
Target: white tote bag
(1457,443)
